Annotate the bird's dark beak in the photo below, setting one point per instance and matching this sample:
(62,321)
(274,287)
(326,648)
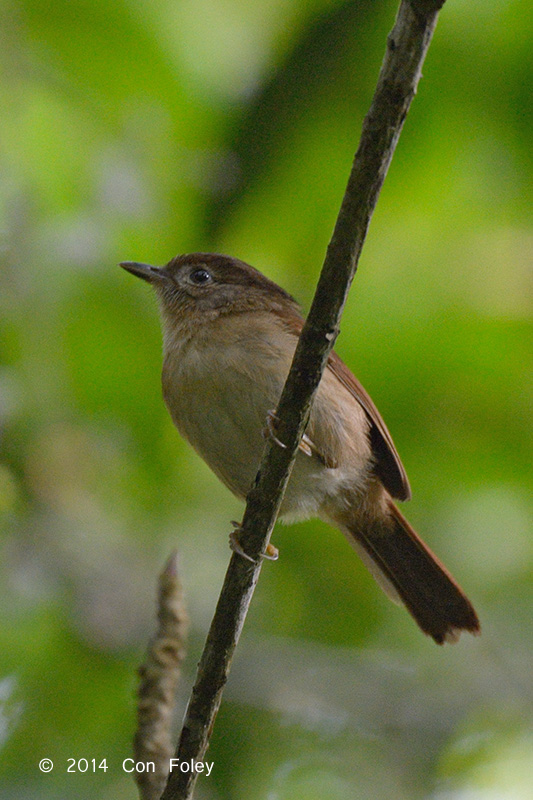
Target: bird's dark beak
(144,271)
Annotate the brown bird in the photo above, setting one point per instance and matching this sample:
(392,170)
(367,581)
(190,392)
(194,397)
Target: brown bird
(229,336)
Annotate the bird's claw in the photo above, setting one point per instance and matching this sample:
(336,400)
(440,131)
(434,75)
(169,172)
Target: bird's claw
(271,553)
(269,431)
(235,544)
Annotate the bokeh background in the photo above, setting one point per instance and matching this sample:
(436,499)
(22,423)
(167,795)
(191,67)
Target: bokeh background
(138,131)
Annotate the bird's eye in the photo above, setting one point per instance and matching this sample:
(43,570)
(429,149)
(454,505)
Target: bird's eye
(200,276)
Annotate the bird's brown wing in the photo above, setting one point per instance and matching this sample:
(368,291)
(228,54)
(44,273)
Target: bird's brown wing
(388,465)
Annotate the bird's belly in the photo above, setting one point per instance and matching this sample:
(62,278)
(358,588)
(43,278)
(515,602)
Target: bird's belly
(225,432)
(221,408)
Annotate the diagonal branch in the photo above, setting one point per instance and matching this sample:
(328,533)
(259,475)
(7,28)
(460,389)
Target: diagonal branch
(400,72)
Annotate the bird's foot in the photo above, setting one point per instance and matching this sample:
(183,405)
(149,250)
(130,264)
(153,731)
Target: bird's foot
(271,553)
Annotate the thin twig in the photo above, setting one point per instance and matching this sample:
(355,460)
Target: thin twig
(159,678)
(401,69)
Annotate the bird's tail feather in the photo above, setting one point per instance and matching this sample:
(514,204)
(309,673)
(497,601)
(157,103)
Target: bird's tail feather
(409,573)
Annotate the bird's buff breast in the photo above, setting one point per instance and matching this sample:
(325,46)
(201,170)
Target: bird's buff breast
(219,399)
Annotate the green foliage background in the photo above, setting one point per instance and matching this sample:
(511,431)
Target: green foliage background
(137,131)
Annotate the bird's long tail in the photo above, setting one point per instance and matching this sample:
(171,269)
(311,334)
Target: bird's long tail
(409,573)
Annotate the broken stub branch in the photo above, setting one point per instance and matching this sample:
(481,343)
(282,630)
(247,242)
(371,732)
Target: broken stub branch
(159,675)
